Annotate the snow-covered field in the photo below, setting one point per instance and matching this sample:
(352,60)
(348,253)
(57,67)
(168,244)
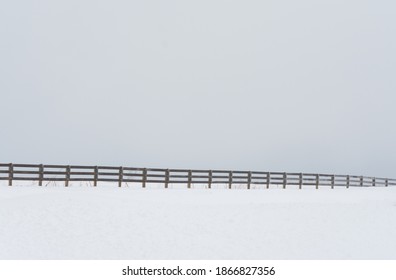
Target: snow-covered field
(127,223)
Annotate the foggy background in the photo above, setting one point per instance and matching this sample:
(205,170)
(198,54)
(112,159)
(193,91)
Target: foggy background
(304,86)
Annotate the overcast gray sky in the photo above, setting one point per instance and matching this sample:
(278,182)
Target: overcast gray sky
(263,85)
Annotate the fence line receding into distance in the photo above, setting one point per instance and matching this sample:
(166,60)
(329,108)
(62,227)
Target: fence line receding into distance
(79,173)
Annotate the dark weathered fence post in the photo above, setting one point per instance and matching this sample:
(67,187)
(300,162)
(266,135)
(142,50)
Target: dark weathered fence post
(95,176)
(10,174)
(210,179)
(284,180)
(373,182)
(361,181)
(386,182)
(317,181)
(41,174)
(332,181)
(144,177)
(120,176)
(166,178)
(300,181)
(189,179)
(67,176)
(347,183)
(268,179)
(230,180)
(249,179)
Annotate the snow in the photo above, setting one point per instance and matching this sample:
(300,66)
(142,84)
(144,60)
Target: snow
(108,222)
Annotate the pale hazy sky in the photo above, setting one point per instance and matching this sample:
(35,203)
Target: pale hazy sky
(263,85)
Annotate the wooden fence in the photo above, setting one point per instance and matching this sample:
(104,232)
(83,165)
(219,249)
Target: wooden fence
(79,173)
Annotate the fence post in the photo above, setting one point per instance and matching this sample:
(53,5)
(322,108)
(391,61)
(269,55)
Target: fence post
(332,181)
(317,181)
(230,180)
(10,173)
(189,179)
(67,176)
(166,178)
(300,180)
(386,182)
(120,176)
(284,180)
(95,176)
(268,179)
(373,182)
(361,181)
(210,179)
(144,177)
(347,185)
(249,179)
(41,174)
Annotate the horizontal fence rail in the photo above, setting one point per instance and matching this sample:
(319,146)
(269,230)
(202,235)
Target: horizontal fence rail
(79,173)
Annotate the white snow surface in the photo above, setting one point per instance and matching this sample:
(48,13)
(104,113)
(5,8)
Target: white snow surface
(108,222)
